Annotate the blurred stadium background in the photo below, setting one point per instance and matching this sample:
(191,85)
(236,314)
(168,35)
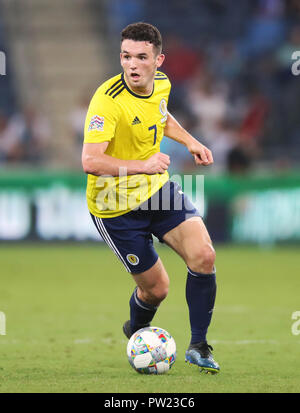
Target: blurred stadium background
(233,87)
(230,64)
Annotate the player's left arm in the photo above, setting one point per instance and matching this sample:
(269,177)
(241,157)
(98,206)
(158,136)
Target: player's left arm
(175,131)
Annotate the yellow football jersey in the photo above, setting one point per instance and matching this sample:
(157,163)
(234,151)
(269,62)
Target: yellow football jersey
(133,125)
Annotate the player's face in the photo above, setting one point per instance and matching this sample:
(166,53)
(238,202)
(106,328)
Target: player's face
(140,62)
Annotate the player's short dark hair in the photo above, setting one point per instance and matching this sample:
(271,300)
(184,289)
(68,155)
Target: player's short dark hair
(143,32)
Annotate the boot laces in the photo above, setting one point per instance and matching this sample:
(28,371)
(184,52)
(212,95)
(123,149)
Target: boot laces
(203,348)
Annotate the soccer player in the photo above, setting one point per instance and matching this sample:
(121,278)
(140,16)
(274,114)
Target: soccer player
(130,196)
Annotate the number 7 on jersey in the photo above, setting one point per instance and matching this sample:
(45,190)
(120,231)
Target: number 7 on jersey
(155,132)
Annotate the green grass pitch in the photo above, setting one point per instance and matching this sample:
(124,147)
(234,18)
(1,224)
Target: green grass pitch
(65,306)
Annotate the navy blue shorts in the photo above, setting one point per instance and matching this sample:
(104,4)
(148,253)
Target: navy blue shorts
(130,235)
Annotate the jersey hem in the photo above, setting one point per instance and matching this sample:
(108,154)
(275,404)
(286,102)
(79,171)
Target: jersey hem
(119,213)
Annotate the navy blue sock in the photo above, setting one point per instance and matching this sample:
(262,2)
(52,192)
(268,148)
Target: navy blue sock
(141,314)
(200,296)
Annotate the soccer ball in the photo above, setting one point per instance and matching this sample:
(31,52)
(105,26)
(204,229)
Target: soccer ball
(151,350)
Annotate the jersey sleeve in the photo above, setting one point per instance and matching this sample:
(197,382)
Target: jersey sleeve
(101,119)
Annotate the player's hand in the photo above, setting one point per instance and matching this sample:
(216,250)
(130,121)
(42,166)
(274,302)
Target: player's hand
(157,163)
(202,155)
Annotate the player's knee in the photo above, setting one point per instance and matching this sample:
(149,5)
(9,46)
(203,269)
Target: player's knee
(203,260)
(157,294)
(160,293)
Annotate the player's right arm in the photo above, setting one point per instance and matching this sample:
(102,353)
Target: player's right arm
(96,162)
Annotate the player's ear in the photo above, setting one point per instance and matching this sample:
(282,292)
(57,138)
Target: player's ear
(121,61)
(160,59)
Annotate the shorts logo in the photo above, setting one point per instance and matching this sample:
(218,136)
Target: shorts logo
(132,259)
(97,123)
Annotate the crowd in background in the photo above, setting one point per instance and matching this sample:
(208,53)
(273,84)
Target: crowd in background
(230,67)
(24,132)
(232,85)
(24,137)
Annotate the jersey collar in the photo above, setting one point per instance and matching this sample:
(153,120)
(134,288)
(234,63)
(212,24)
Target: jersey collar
(131,91)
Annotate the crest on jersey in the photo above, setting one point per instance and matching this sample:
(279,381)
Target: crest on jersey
(97,123)
(133,259)
(163,110)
